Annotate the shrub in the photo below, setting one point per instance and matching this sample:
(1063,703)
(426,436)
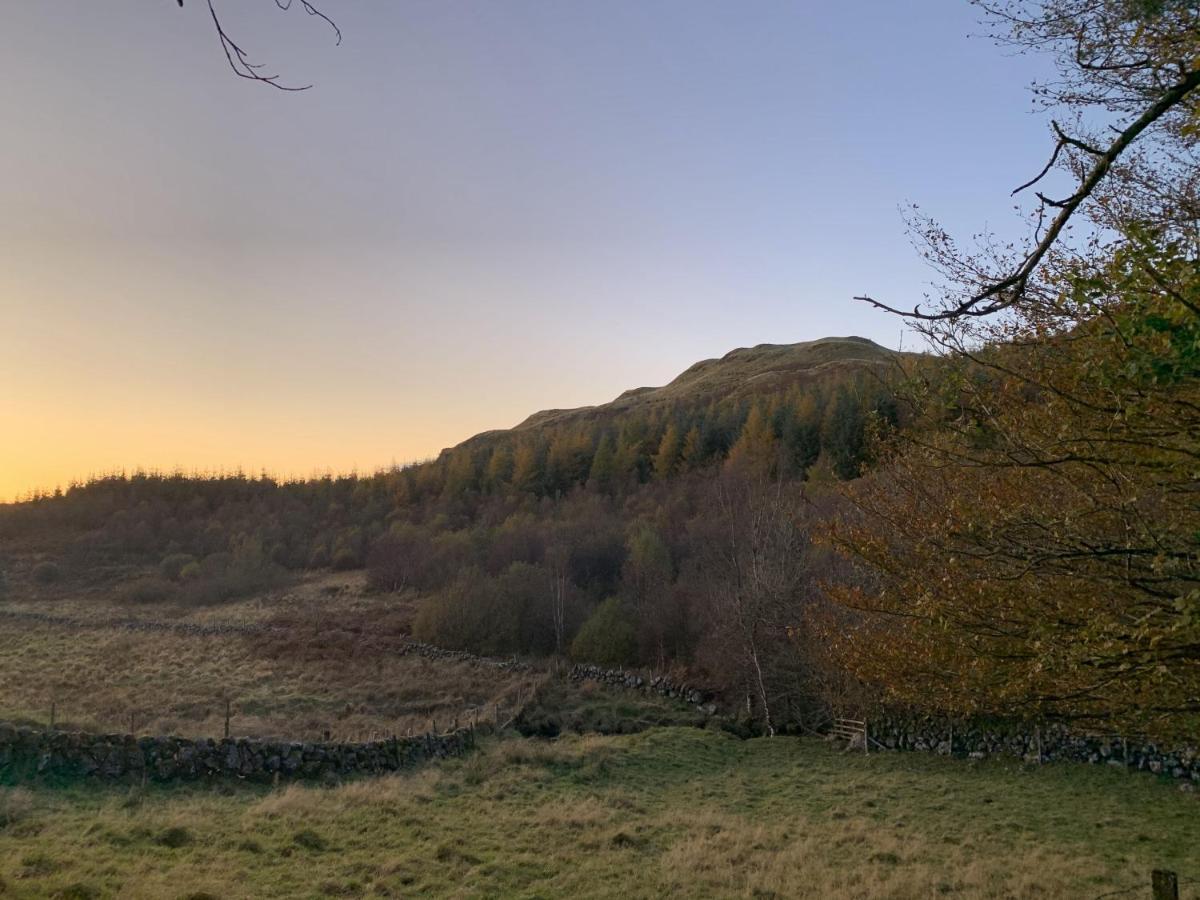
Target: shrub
(46,573)
(395,560)
(78,891)
(227,576)
(190,572)
(171,568)
(607,638)
(343,559)
(147,590)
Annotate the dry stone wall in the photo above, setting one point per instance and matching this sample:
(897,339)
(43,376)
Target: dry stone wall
(662,685)
(1031,743)
(25,752)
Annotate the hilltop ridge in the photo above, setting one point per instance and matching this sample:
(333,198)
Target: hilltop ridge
(740,372)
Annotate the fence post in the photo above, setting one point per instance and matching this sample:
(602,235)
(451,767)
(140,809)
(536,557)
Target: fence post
(1164,885)
(53,710)
(227,704)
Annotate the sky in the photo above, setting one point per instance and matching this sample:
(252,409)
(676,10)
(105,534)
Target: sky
(480,210)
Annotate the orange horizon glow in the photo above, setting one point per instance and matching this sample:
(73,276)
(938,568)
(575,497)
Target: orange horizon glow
(478,212)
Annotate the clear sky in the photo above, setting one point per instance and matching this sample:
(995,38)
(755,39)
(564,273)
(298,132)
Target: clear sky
(480,210)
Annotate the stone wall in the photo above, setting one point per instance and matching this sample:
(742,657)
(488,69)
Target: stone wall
(662,685)
(973,739)
(25,752)
(1045,743)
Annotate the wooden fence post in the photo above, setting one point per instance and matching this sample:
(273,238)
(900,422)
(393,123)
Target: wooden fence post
(227,705)
(1164,885)
(53,710)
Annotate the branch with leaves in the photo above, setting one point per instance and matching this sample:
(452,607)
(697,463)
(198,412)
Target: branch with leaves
(1136,61)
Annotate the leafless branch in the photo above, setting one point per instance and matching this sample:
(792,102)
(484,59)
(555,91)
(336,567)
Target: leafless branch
(240,61)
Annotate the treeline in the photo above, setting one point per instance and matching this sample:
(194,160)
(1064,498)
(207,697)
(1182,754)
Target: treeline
(335,521)
(617,540)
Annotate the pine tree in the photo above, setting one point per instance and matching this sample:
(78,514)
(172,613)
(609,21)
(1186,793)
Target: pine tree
(527,469)
(756,450)
(500,467)
(844,435)
(666,461)
(603,475)
(693,449)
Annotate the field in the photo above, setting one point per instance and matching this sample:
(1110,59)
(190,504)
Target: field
(671,811)
(332,661)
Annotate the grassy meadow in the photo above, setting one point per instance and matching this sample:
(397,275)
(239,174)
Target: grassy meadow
(671,811)
(334,666)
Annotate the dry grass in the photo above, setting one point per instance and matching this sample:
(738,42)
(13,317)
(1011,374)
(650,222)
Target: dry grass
(671,812)
(331,663)
(315,598)
(176,684)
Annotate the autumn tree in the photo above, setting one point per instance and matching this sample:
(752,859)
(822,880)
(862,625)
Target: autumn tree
(751,558)
(666,460)
(1034,541)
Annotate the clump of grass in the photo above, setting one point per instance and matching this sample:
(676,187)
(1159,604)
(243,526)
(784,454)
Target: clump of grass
(37,865)
(77,891)
(174,837)
(307,839)
(16,804)
(46,573)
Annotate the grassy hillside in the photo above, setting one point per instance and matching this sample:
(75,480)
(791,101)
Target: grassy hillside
(679,812)
(739,374)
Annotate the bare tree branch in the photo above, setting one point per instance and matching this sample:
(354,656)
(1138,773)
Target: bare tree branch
(238,58)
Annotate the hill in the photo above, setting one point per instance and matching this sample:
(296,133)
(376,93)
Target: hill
(741,373)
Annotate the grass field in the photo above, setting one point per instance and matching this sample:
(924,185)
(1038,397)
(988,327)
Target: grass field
(672,811)
(333,665)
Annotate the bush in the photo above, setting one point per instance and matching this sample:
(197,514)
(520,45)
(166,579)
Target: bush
(227,576)
(147,590)
(344,559)
(395,561)
(171,568)
(46,573)
(607,638)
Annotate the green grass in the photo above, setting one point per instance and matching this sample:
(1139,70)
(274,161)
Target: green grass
(586,707)
(670,811)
